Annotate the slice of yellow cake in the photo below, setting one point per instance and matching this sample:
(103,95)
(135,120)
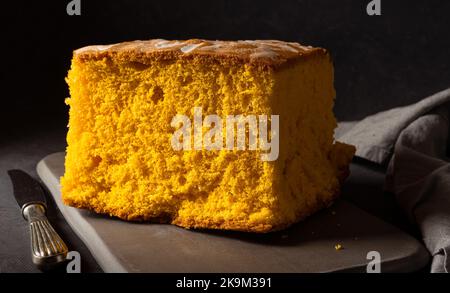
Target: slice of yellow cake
(123,158)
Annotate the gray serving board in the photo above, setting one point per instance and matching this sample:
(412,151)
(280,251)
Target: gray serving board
(309,246)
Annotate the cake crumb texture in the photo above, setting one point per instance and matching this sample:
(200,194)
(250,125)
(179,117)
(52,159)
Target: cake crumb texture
(120,161)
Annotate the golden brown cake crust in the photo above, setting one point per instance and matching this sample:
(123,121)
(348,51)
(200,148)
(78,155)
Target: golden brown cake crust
(270,53)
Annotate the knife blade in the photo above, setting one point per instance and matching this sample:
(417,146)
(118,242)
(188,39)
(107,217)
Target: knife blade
(26,189)
(47,247)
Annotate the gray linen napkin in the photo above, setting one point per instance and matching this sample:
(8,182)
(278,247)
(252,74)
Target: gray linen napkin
(414,141)
(375,136)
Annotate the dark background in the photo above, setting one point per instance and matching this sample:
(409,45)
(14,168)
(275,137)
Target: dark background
(381,61)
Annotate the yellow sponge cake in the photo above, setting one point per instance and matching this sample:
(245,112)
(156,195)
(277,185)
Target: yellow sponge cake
(141,146)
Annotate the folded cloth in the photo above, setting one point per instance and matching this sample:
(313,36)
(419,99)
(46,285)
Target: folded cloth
(375,136)
(414,141)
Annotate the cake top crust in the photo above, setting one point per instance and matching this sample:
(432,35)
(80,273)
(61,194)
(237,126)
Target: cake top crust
(262,52)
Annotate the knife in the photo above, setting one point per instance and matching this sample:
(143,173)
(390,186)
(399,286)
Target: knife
(47,248)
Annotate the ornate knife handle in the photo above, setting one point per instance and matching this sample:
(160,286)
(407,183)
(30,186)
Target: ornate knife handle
(47,248)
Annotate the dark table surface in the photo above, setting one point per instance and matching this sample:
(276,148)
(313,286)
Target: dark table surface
(26,145)
(23,148)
